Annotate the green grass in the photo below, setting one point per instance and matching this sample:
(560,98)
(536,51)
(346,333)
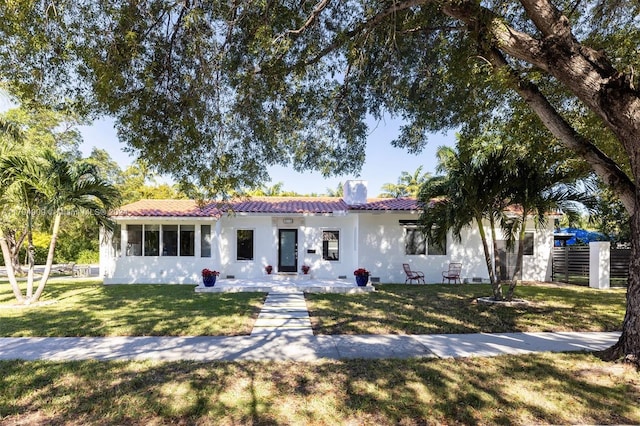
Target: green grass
(539,388)
(531,389)
(88,308)
(429,309)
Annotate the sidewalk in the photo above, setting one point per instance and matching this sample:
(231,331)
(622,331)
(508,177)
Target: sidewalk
(284,346)
(283,331)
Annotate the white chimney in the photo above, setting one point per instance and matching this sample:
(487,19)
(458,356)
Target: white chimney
(354,192)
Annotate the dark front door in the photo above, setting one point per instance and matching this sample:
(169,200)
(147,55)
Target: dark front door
(287,250)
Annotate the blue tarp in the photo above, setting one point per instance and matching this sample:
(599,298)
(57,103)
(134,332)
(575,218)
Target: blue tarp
(579,236)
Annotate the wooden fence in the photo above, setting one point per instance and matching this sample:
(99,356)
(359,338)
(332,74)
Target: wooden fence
(571,265)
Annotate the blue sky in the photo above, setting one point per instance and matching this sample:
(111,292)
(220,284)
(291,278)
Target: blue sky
(383,164)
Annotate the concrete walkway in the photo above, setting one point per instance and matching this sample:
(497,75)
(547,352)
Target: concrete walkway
(283,332)
(285,346)
(283,314)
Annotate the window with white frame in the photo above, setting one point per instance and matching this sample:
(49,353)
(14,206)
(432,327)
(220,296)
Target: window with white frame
(134,240)
(435,249)
(331,245)
(244,244)
(187,240)
(414,241)
(169,240)
(165,240)
(151,240)
(528,244)
(205,240)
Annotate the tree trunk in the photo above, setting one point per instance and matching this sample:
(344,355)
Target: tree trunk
(14,244)
(496,265)
(585,72)
(47,268)
(497,289)
(16,252)
(10,272)
(31,261)
(628,346)
(519,257)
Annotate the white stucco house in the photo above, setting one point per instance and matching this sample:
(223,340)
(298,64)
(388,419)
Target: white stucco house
(171,241)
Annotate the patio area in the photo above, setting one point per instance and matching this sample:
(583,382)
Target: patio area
(285,284)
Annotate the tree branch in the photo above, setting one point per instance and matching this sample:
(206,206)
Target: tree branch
(341,38)
(547,18)
(604,166)
(314,17)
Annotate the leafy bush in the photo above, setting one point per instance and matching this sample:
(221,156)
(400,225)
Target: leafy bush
(41,242)
(88,256)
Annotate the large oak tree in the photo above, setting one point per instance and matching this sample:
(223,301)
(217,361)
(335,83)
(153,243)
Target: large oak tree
(223,89)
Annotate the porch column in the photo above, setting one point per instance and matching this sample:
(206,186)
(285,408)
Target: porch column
(124,241)
(197,241)
(599,264)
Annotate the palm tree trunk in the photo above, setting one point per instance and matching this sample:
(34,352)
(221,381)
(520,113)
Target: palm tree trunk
(487,254)
(48,265)
(14,243)
(15,252)
(10,272)
(497,291)
(30,255)
(494,240)
(496,265)
(519,257)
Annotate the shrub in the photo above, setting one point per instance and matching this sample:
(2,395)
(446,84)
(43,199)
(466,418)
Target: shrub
(88,256)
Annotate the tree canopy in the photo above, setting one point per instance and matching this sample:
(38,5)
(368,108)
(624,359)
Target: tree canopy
(225,89)
(408,184)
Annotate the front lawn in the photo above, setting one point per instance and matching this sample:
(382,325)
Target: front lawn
(545,388)
(528,389)
(435,309)
(88,308)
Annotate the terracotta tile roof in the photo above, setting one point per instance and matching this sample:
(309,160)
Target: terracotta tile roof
(390,204)
(166,208)
(273,205)
(279,205)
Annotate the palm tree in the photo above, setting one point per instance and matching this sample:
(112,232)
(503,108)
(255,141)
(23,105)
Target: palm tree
(537,190)
(413,182)
(15,238)
(263,190)
(338,192)
(10,129)
(53,185)
(408,185)
(470,191)
(393,190)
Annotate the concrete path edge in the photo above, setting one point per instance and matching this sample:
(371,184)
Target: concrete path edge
(283,347)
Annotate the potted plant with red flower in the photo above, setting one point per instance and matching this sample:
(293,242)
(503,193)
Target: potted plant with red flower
(305,269)
(362,276)
(209,277)
(268,269)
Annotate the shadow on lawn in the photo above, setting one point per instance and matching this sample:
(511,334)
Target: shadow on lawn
(429,309)
(141,310)
(563,388)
